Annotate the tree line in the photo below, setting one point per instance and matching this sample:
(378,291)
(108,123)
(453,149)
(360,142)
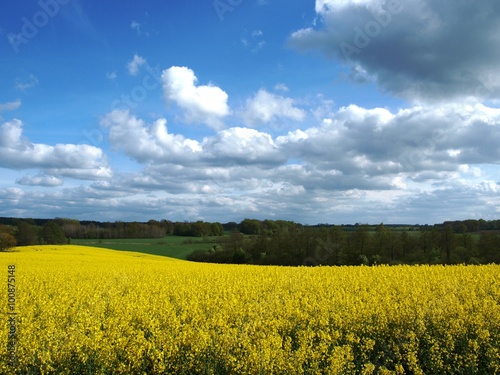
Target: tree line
(25,232)
(294,245)
(280,242)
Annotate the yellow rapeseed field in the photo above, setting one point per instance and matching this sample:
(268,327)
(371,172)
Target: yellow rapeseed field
(82,310)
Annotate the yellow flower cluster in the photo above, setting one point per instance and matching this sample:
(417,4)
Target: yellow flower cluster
(93,311)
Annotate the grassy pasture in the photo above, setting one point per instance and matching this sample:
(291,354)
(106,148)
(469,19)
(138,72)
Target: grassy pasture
(170,246)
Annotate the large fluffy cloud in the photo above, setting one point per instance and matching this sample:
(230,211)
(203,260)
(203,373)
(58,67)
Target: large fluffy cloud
(242,146)
(374,142)
(421,50)
(420,164)
(265,107)
(205,104)
(147,143)
(152,143)
(78,161)
(354,148)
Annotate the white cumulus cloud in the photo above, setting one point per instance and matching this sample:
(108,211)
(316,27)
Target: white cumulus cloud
(147,143)
(265,107)
(153,144)
(205,104)
(242,146)
(78,161)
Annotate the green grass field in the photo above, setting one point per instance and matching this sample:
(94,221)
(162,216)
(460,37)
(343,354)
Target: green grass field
(170,246)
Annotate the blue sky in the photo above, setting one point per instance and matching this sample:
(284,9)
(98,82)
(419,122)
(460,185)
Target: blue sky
(337,111)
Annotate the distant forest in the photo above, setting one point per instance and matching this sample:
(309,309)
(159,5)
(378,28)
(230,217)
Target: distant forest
(279,242)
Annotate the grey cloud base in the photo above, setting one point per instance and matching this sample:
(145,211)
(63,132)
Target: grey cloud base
(420,50)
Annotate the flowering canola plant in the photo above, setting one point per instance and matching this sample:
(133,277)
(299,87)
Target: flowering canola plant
(83,310)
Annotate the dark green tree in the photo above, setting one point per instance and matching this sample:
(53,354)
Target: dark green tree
(489,247)
(446,242)
(358,244)
(216,229)
(234,241)
(52,234)
(200,229)
(250,226)
(240,256)
(27,234)
(7,241)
